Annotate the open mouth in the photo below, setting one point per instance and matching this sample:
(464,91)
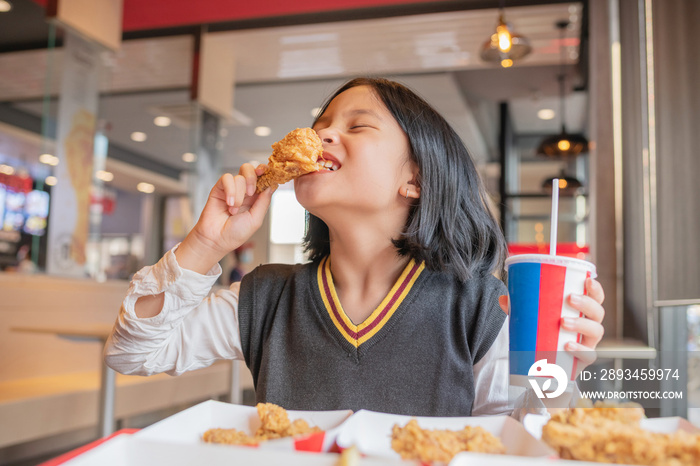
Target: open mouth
(330,165)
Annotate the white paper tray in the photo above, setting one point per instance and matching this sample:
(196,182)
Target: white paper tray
(187,427)
(129,450)
(370,432)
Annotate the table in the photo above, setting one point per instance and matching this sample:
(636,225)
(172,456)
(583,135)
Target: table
(89,333)
(99,333)
(624,349)
(619,349)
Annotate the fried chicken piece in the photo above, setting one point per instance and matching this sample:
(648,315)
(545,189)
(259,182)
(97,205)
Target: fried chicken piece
(609,433)
(229,437)
(414,443)
(295,155)
(274,423)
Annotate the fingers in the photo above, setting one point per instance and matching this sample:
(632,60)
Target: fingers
(262,203)
(588,306)
(595,290)
(584,354)
(227,184)
(591,332)
(237,188)
(589,326)
(250,175)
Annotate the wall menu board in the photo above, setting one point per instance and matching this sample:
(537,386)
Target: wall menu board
(36,210)
(23,211)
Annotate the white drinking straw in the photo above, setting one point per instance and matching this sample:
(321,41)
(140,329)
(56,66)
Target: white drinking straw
(554,218)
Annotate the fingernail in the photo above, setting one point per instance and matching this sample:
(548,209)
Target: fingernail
(230,200)
(570,346)
(250,190)
(575,298)
(568,322)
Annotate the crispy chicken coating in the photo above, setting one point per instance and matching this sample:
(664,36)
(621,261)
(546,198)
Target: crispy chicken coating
(609,433)
(274,423)
(414,443)
(295,155)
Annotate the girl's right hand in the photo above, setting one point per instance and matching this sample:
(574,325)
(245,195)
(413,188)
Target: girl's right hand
(233,212)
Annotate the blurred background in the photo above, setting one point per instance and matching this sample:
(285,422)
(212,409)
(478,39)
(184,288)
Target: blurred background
(117,116)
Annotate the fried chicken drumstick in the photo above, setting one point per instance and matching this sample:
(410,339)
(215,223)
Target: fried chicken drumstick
(293,156)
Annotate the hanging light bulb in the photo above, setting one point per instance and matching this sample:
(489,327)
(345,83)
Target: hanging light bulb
(568,185)
(505,40)
(504,46)
(562,144)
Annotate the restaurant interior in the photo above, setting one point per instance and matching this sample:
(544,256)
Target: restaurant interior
(598,94)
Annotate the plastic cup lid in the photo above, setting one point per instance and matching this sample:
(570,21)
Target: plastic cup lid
(562,261)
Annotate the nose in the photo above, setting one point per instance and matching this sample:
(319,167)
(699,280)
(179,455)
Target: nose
(328,135)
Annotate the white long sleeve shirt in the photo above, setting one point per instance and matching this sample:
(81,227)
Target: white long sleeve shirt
(194,329)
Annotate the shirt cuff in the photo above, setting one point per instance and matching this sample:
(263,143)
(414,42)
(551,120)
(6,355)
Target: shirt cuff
(183,287)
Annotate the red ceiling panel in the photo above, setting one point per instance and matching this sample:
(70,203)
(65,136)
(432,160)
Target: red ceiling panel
(142,15)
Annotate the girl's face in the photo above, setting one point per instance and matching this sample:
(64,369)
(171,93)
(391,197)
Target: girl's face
(370,155)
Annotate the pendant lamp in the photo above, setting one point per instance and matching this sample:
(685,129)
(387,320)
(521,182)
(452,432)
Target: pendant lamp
(562,144)
(568,185)
(504,46)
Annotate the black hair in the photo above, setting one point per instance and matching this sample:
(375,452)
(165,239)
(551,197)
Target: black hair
(451,228)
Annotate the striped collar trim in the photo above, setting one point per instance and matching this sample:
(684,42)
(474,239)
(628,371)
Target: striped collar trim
(358,334)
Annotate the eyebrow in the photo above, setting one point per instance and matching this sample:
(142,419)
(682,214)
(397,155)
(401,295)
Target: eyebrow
(352,113)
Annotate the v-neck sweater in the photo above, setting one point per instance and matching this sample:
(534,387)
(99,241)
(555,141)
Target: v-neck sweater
(414,355)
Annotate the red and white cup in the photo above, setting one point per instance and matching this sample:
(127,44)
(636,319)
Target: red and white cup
(538,288)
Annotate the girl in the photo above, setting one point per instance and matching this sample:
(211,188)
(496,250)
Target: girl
(398,310)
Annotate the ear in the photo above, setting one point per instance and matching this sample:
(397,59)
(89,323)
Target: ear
(410,190)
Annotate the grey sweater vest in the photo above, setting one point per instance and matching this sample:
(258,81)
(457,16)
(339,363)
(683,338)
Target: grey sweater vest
(420,362)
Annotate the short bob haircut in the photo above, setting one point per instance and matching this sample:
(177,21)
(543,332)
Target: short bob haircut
(451,228)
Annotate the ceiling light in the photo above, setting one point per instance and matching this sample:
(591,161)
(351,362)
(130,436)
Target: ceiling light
(546,114)
(161,121)
(262,131)
(7,170)
(504,46)
(104,175)
(562,144)
(5,6)
(144,187)
(50,180)
(48,159)
(189,157)
(568,185)
(138,136)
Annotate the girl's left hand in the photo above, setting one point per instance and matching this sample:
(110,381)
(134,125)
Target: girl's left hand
(589,326)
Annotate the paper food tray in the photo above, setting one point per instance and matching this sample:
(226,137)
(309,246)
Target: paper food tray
(473,459)
(187,427)
(533,423)
(129,450)
(370,432)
